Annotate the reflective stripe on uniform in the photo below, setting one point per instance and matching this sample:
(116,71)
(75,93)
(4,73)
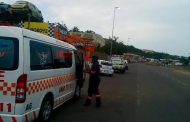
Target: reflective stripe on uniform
(89,97)
(98,95)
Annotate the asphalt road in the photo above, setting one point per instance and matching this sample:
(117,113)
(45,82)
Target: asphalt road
(143,94)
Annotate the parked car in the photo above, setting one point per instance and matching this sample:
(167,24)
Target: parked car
(24,8)
(5,11)
(106,67)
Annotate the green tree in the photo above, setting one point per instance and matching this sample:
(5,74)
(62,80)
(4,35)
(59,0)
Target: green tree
(184,60)
(75,29)
(90,31)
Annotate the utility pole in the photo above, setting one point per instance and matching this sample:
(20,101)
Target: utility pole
(112,35)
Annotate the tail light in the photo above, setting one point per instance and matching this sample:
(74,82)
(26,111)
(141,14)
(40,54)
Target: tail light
(21,89)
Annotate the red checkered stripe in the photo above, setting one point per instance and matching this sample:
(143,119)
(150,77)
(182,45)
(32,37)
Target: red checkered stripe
(45,84)
(6,88)
(2,76)
(10,119)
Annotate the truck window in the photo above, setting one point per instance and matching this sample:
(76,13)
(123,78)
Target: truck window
(8,53)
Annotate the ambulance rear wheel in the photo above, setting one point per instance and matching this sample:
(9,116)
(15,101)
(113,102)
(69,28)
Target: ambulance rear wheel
(46,110)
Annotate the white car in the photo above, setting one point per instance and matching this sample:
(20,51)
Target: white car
(106,67)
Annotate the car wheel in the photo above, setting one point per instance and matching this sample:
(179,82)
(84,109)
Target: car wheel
(123,71)
(46,110)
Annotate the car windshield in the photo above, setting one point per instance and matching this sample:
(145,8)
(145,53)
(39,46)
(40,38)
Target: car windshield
(21,2)
(106,63)
(116,61)
(8,53)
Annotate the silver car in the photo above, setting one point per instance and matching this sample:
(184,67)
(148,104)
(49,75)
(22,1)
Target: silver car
(106,67)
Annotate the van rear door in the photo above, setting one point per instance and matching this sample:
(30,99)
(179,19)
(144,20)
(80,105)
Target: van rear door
(9,73)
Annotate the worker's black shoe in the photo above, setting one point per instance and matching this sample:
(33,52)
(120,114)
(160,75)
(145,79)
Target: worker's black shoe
(88,102)
(98,102)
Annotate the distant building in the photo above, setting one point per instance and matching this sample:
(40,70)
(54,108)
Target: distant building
(148,51)
(107,41)
(93,37)
(133,58)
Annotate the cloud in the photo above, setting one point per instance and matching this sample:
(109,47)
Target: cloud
(151,24)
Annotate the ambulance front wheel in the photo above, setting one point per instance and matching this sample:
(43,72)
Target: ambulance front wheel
(46,109)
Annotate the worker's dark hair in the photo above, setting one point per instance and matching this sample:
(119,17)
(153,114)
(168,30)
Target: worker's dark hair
(94,58)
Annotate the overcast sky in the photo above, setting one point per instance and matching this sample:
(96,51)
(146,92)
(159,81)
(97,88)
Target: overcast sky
(160,25)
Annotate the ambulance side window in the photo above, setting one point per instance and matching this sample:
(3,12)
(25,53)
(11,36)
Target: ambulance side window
(40,56)
(62,57)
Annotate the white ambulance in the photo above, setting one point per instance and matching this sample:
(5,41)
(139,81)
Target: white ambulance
(37,74)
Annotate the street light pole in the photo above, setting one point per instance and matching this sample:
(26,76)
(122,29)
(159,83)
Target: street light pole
(113,30)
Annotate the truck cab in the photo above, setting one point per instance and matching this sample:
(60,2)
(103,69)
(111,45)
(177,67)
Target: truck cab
(118,64)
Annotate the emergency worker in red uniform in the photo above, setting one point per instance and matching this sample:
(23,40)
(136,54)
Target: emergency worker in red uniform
(94,81)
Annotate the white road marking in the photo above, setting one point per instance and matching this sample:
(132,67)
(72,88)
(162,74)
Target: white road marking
(138,100)
(138,89)
(181,83)
(138,94)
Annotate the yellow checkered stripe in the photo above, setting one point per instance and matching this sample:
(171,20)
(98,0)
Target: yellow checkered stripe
(45,84)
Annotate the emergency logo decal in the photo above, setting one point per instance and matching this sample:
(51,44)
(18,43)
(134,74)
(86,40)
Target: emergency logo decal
(43,57)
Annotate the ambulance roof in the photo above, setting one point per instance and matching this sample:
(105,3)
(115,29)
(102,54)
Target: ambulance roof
(19,32)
